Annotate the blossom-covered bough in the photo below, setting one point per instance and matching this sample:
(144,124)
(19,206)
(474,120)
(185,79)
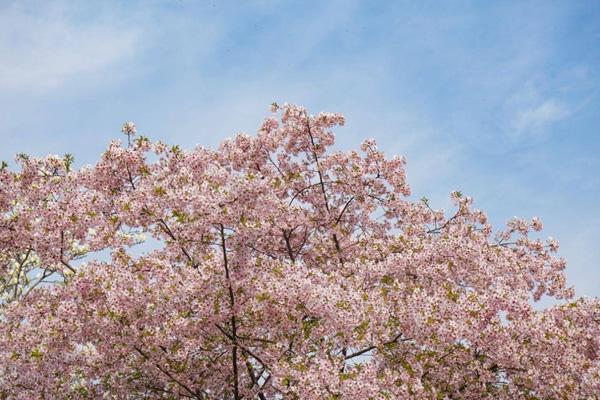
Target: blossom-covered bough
(279,269)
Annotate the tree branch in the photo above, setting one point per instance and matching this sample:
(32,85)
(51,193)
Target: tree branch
(236,389)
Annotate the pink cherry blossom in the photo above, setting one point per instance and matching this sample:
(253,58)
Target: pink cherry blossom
(275,268)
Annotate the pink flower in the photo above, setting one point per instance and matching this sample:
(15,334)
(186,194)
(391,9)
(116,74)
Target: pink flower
(129,129)
(276,268)
(536,224)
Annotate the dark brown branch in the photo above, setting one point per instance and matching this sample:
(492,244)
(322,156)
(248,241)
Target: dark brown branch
(45,274)
(261,252)
(20,268)
(62,251)
(288,245)
(167,373)
(304,240)
(250,369)
(314,152)
(169,232)
(244,349)
(373,347)
(236,389)
(338,219)
(299,192)
(130,178)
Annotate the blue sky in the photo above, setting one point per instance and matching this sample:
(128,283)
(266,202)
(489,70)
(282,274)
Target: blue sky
(500,100)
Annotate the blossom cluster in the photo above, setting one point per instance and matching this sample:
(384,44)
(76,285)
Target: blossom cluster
(277,268)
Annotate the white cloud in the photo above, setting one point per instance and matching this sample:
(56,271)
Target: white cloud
(541,115)
(45,46)
(536,106)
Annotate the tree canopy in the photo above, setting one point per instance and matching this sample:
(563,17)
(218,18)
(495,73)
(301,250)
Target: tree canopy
(279,269)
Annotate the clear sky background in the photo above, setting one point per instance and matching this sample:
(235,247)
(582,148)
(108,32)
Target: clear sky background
(500,100)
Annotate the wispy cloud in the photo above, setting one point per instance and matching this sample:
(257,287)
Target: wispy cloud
(540,116)
(45,46)
(537,106)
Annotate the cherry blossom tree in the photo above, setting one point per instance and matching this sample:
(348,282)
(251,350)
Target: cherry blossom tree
(279,269)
